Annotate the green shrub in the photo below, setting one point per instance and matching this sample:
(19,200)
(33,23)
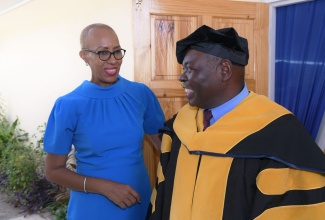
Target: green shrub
(22,177)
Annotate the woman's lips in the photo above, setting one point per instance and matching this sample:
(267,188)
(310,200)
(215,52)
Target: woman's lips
(110,71)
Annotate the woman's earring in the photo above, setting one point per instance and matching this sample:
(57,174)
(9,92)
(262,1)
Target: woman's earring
(86,64)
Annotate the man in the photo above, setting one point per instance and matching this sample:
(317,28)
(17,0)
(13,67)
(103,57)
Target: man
(255,161)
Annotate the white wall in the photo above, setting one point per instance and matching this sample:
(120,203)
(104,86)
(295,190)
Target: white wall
(39,46)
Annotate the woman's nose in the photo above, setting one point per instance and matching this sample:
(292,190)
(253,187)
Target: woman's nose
(111,59)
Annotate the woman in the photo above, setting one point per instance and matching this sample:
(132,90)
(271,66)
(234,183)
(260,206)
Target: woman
(105,120)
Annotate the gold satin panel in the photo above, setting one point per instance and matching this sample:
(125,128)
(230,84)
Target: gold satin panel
(280,181)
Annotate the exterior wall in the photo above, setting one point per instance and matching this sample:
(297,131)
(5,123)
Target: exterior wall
(39,46)
(39,52)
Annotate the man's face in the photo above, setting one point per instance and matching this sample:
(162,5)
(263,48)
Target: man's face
(201,79)
(104,73)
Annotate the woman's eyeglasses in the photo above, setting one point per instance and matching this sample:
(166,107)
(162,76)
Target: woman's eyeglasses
(104,55)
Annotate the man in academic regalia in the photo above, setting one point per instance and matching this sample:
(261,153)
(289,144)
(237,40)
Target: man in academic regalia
(231,153)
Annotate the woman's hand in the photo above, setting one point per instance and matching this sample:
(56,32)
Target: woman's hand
(122,195)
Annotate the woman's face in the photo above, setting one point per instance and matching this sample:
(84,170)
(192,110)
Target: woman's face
(104,73)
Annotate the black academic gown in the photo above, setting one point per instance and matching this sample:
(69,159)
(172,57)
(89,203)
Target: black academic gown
(256,162)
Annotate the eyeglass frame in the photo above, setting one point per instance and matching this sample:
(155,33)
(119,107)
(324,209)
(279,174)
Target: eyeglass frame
(98,53)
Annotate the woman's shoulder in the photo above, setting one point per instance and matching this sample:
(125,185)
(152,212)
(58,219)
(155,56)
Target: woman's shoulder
(134,86)
(70,97)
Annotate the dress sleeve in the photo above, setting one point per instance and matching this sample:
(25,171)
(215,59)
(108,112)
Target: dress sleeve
(60,128)
(154,117)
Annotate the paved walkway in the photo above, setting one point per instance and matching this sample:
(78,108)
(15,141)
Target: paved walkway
(8,212)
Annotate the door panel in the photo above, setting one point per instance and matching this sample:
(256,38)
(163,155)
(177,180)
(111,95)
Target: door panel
(159,24)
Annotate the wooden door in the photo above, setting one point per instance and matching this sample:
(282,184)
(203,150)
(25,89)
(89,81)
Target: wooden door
(159,24)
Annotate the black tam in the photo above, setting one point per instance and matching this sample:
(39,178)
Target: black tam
(224,43)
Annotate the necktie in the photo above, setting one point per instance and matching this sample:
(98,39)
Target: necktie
(207,115)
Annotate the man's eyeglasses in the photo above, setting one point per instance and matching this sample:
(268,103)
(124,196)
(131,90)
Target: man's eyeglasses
(104,55)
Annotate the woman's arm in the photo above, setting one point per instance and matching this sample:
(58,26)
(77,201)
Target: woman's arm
(155,140)
(57,172)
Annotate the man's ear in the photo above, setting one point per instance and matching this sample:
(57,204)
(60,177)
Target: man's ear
(226,69)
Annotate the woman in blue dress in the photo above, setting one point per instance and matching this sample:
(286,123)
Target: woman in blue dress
(105,119)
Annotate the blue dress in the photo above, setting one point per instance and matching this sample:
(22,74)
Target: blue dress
(106,125)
